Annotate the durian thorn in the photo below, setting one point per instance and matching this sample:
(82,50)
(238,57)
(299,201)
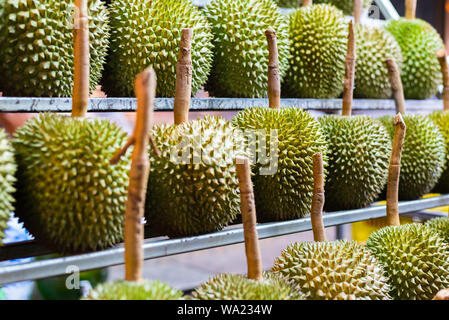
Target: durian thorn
(442,58)
(318,199)
(307,3)
(274,74)
(121,152)
(348,90)
(145,89)
(410,9)
(394,171)
(442,295)
(248,208)
(396,85)
(183,91)
(358,7)
(80,96)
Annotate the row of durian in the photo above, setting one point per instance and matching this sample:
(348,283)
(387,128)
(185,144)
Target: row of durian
(228,48)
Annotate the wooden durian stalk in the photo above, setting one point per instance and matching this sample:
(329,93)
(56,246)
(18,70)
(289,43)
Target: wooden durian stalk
(410,9)
(318,199)
(442,58)
(145,89)
(348,90)
(183,78)
(307,3)
(442,295)
(396,85)
(274,74)
(80,97)
(248,208)
(394,172)
(358,7)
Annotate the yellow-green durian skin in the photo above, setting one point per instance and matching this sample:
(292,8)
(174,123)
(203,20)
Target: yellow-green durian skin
(423,157)
(415,258)
(7,179)
(239,287)
(419,42)
(373,46)
(284,193)
(200,193)
(318,46)
(441,119)
(37,46)
(147,33)
(347,6)
(340,270)
(240,46)
(359,150)
(440,225)
(126,290)
(68,194)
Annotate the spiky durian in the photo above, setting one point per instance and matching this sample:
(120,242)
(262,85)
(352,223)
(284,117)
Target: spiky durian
(68,194)
(126,290)
(318,36)
(37,46)
(239,287)
(339,270)
(359,156)
(283,186)
(423,156)
(374,45)
(193,186)
(347,6)
(415,259)
(7,179)
(441,119)
(240,53)
(147,33)
(419,42)
(441,225)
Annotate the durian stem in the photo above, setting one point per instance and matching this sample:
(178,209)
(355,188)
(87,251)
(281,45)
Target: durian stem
(410,9)
(442,295)
(80,97)
(121,152)
(183,78)
(307,3)
(145,88)
(357,11)
(274,74)
(394,172)
(316,216)
(396,85)
(248,208)
(442,58)
(349,73)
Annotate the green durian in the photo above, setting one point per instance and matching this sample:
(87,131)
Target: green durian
(347,6)
(240,46)
(284,190)
(68,194)
(239,287)
(440,225)
(126,290)
(37,46)
(423,156)
(419,42)
(415,259)
(359,156)
(7,180)
(193,187)
(441,119)
(147,33)
(373,46)
(339,270)
(318,36)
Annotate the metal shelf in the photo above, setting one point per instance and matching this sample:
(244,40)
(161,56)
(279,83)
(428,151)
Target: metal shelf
(160,247)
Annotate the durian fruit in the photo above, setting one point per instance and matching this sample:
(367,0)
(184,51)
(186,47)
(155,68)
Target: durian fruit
(318,36)
(37,46)
(374,45)
(146,33)
(289,137)
(418,41)
(68,194)
(440,225)
(7,180)
(339,270)
(347,6)
(415,258)
(193,187)
(423,158)
(257,285)
(240,47)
